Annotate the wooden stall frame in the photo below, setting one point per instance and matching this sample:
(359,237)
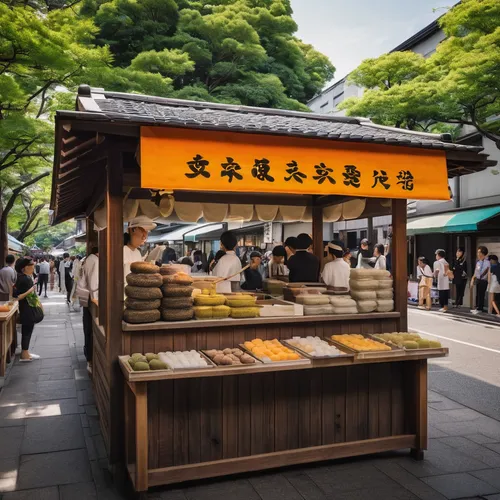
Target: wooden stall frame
(8,337)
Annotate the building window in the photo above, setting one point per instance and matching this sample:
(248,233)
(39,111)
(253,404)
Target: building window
(338,98)
(324,104)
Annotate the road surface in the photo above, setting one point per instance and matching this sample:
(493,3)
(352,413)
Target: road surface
(471,373)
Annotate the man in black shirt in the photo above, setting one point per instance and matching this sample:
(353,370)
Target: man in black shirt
(304,267)
(253,278)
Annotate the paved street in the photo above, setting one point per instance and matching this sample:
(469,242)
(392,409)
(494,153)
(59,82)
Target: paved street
(51,448)
(471,374)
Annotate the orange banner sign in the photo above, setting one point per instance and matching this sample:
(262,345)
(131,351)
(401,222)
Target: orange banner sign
(195,160)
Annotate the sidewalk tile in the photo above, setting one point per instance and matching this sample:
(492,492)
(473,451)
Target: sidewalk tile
(53,408)
(53,434)
(56,389)
(239,489)
(56,362)
(50,341)
(433,432)
(49,469)
(446,404)
(81,374)
(460,485)
(304,485)
(78,491)
(36,494)
(8,474)
(49,352)
(171,494)
(12,416)
(491,476)
(407,480)
(10,441)
(462,415)
(493,446)
(474,450)
(483,425)
(274,487)
(57,373)
(9,397)
(109,494)
(492,497)
(480,439)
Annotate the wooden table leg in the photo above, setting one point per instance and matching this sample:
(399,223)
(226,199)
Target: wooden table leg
(421,409)
(141,436)
(3,347)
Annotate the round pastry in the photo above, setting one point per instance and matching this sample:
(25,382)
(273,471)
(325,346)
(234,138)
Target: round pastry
(138,292)
(366,306)
(385,284)
(177,290)
(171,269)
(364,294)
(218,358)
(177,303)
(209,300)
(177,314)
(133,316)
(144,268)
(203,312)
(385,294)
(142,305)
(144,280)
(177,279)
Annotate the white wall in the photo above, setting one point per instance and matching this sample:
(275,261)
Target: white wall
(295,228)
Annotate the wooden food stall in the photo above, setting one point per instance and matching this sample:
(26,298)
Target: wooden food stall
(8,336)
(119,155)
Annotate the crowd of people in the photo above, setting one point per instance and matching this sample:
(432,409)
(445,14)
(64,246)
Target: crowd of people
(485,279)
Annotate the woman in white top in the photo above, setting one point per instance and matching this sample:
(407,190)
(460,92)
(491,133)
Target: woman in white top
(138,229)
(336,272)
(379,257)
(228,264)
(424,277)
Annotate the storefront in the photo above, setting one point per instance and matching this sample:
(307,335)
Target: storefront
(175,425)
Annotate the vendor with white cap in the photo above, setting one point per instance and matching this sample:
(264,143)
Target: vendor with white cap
(336,272)
(138,229)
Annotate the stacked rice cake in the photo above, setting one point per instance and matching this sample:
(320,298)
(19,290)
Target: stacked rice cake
(177,301)
(372,289)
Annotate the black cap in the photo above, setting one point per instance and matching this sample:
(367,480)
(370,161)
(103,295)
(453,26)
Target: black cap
(255,254)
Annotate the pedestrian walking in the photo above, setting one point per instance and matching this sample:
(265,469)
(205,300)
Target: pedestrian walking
(30,308)
(65,271)
(480,278)
(87,289)
(76,272)
(425,279)
(441,270)
(8,277)
(378,259)
(460,276)
(52,274)
(43,276)
(494,284)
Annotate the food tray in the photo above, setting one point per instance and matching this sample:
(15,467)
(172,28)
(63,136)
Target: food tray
(211,364)
(258,361)
(395,351)
(422,350)
(301,361)
(133,376)
(307,355)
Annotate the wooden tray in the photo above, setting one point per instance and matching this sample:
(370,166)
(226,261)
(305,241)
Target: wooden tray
(258,361)
(423,350)
(395,351)
(301,361)
(133,376)
(307,355)
(210,364)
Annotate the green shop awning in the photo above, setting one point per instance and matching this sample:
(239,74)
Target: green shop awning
(452,222)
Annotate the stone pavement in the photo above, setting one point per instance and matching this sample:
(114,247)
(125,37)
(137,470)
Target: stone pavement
(51,447)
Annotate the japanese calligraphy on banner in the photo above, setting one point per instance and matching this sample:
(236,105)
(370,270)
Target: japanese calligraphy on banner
(195,160)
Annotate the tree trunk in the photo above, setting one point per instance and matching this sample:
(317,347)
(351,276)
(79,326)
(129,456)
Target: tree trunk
(4,247)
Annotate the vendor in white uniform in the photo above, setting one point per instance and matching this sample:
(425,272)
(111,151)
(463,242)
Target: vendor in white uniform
(336,272)
(228,264)
(138,229)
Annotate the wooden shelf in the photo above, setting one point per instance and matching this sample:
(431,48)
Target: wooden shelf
(305,364)
(217,323)
(5,316)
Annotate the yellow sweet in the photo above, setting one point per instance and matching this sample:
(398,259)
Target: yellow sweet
(360,343)
(272,349)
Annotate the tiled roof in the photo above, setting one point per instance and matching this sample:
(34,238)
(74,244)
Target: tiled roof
(147,110)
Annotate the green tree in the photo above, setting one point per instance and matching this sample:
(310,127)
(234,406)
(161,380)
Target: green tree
(233,51)
(458,85)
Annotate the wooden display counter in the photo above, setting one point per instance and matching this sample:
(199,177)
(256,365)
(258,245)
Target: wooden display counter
(224,421)
(8,337)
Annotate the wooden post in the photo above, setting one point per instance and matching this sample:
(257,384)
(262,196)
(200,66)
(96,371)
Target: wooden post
(114,291)
(317,231)
(420,409)
(103,293)
(141,436)
(400,262)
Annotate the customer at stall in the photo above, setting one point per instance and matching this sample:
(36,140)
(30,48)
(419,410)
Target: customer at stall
(136,236)
(347,256)
(8,277)
(277,268)
(303,266)
(228,265)
(441,270)
(169,256)
(425,279)
(460,276)
(378,261)
(364,255)
(30,311)
(480,278)
(87,289)
(290,247)
(252,275)
(43,276)
(337,271)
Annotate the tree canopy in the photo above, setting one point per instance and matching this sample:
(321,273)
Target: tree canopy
(459,84)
